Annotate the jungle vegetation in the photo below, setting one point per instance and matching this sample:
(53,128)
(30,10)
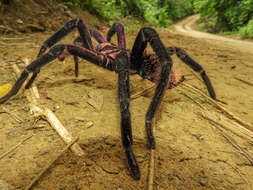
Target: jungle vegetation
(226,16)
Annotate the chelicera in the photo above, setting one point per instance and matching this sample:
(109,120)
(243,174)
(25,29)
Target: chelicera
(156,67)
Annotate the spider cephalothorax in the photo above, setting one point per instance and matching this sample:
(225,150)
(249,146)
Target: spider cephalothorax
(156,67)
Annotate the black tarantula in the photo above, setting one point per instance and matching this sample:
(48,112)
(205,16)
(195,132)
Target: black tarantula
(156,67)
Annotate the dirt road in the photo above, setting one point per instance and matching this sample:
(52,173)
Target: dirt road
(184,27)
(191,152)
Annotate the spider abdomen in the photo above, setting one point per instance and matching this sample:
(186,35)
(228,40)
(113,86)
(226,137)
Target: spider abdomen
(151,70)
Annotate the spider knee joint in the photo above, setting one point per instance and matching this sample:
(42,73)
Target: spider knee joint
(71,24)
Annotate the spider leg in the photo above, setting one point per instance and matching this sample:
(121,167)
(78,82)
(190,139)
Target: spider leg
(65,30)
(53,53)
(119,28)
(144,36)
(181,54)
(123,70)
(77,42)
(97,35)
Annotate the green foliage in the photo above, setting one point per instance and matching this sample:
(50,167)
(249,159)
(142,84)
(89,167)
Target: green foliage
(160,12)
(164,13)
(217,15)
(227,15)
(247,31)
(107,9)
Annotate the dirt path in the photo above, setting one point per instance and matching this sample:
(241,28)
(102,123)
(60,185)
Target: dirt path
(185,27)
(191,153)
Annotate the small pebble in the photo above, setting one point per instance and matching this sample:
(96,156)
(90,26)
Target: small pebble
(120,187)
(213,169)
(10,156)
(88,124)
(203,182)
(56,108)
(43,152)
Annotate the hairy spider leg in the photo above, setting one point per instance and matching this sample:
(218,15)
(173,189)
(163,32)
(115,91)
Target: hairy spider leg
(123,70)
(78,42)
(48,57)
(181,54)
(144,36)
(119,29)
(65,30)
(98,36)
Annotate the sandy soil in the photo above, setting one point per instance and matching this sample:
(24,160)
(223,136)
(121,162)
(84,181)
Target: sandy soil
(191,153)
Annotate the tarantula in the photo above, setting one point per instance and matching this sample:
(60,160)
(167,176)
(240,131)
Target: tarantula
(156,67)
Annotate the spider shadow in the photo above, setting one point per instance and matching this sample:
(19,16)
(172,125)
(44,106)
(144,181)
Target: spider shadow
(87,81)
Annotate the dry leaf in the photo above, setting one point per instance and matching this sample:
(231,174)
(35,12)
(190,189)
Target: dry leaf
(4,89)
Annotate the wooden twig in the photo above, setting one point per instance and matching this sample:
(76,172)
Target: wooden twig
(194,73)
(140,93)
(50,164)
(234,168)
(151,163)
(55,123)
(238,147)
(232,126)
(244,81)
(61,130)
(220,107)
(15,117)
(239,173)
(33,88)
(15,147)
(185,94)
(151,170)
(229,139)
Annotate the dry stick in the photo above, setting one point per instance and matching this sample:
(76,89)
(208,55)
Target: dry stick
(243,124)
(238,171)
(234,168)
(138,94)
(234,127)
(151,170)
(229,139)
(244,81)
(194,73)
(152,151)
(15,117)
(50,164)
(15,147)
(151,164)
(219,106)
(33,88)
(238,147)
(185,94)
(55,123)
